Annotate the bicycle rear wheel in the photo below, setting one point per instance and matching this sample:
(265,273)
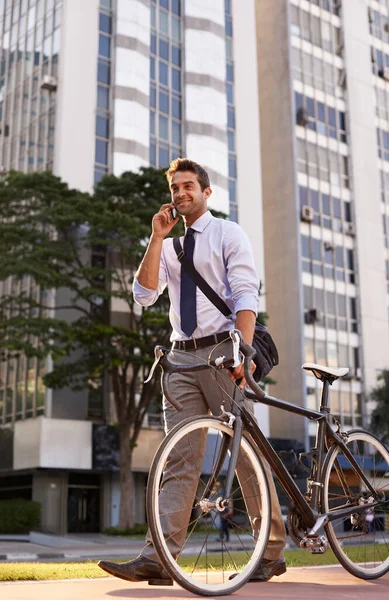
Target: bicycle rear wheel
(360,541)
(183,512)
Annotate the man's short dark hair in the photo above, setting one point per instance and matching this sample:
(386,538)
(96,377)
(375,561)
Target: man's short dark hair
(185,164)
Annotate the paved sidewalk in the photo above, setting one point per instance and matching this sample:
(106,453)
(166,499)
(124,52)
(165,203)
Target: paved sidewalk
(318,583)
(77,547)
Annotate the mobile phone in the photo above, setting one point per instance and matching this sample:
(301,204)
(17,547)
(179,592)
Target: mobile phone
(173,212)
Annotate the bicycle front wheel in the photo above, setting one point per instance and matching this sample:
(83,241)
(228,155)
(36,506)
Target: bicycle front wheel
(184,510)
(360,541)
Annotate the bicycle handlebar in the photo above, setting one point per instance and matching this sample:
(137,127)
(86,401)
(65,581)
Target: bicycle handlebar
(161,358)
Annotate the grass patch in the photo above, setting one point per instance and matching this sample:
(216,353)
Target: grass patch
(90,570)
(45,571)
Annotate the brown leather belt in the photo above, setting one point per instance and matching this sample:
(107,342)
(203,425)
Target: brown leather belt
(209,340)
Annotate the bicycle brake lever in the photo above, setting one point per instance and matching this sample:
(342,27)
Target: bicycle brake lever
(159,351)
(235,337)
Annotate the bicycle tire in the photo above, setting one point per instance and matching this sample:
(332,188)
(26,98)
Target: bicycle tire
(359,541)
(208,575)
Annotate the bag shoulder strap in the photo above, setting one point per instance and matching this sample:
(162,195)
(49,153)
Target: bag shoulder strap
(199,280)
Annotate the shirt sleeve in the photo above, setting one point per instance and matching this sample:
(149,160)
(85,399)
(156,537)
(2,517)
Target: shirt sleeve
(146,297)
(241,274)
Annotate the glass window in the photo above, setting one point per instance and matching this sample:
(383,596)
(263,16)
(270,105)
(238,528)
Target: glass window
(231,141)
(320,352)
(153,154)
(152,122)
(153,44)
(176,56)
(163,22)
(102,127)
(104,46)
(176,7)
(231,117)
(176,107)
(339,256)
(232,166)
(103,73)
(330,300)
(153,97)
(102,97)
(332,354)
(163,157)
(163,102)
(101,155)
(308,302)
(164,49)
(303,195)
(342,305)
(314,195)
(305,247)
(176,133)
(175,28)
(163,73)
(316,249)
(164,3)
(105,23)
(163,127)
(176,80)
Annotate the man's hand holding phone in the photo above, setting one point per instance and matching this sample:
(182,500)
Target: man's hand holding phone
(164,221)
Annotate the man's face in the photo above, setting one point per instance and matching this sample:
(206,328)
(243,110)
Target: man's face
(187,197)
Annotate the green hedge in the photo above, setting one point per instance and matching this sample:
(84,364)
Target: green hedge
(19,516)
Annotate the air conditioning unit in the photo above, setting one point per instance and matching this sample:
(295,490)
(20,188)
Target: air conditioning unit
(302,116)
(349,229)
(386,27)
(307,213)
(312,316)
(49,83)
(329,247)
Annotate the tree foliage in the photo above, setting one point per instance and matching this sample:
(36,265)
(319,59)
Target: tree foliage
(81,252)
(379,423)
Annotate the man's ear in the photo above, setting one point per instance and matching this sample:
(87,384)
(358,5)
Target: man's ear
(207,192)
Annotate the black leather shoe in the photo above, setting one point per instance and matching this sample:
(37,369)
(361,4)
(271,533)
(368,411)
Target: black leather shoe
(267,569)
(139,569)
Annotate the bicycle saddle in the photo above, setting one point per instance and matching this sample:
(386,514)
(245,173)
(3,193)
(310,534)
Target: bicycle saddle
(323,373)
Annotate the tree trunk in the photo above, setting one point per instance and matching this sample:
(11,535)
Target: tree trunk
(126,478)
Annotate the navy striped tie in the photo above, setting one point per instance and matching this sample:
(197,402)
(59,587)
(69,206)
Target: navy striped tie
(188,289)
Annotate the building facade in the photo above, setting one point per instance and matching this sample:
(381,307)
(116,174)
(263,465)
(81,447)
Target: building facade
(323,91)
(100,86)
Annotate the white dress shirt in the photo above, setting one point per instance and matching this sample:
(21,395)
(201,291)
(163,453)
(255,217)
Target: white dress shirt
(223,257)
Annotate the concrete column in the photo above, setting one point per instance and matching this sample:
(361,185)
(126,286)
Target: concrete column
(76,94)
(205,125)
(132,86)
(366,193)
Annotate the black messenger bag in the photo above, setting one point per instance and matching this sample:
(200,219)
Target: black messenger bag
(266,351)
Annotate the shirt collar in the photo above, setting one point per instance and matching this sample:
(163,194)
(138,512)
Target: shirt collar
(202,222)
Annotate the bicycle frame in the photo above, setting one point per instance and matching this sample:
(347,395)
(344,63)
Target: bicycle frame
(325,437)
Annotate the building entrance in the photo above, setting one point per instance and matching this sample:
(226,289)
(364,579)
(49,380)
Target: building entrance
(83,508)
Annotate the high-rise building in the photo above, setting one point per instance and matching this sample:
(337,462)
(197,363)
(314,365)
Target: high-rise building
(89,87)
(324,91)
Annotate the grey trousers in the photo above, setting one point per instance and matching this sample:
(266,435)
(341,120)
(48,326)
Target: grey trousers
(199,395)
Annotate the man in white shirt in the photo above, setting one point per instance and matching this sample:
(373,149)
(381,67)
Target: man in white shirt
(222,254)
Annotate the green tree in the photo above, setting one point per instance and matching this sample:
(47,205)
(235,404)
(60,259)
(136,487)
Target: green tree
(379,423)
(82,251)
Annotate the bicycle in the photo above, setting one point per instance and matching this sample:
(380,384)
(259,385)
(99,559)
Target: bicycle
(348,481)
